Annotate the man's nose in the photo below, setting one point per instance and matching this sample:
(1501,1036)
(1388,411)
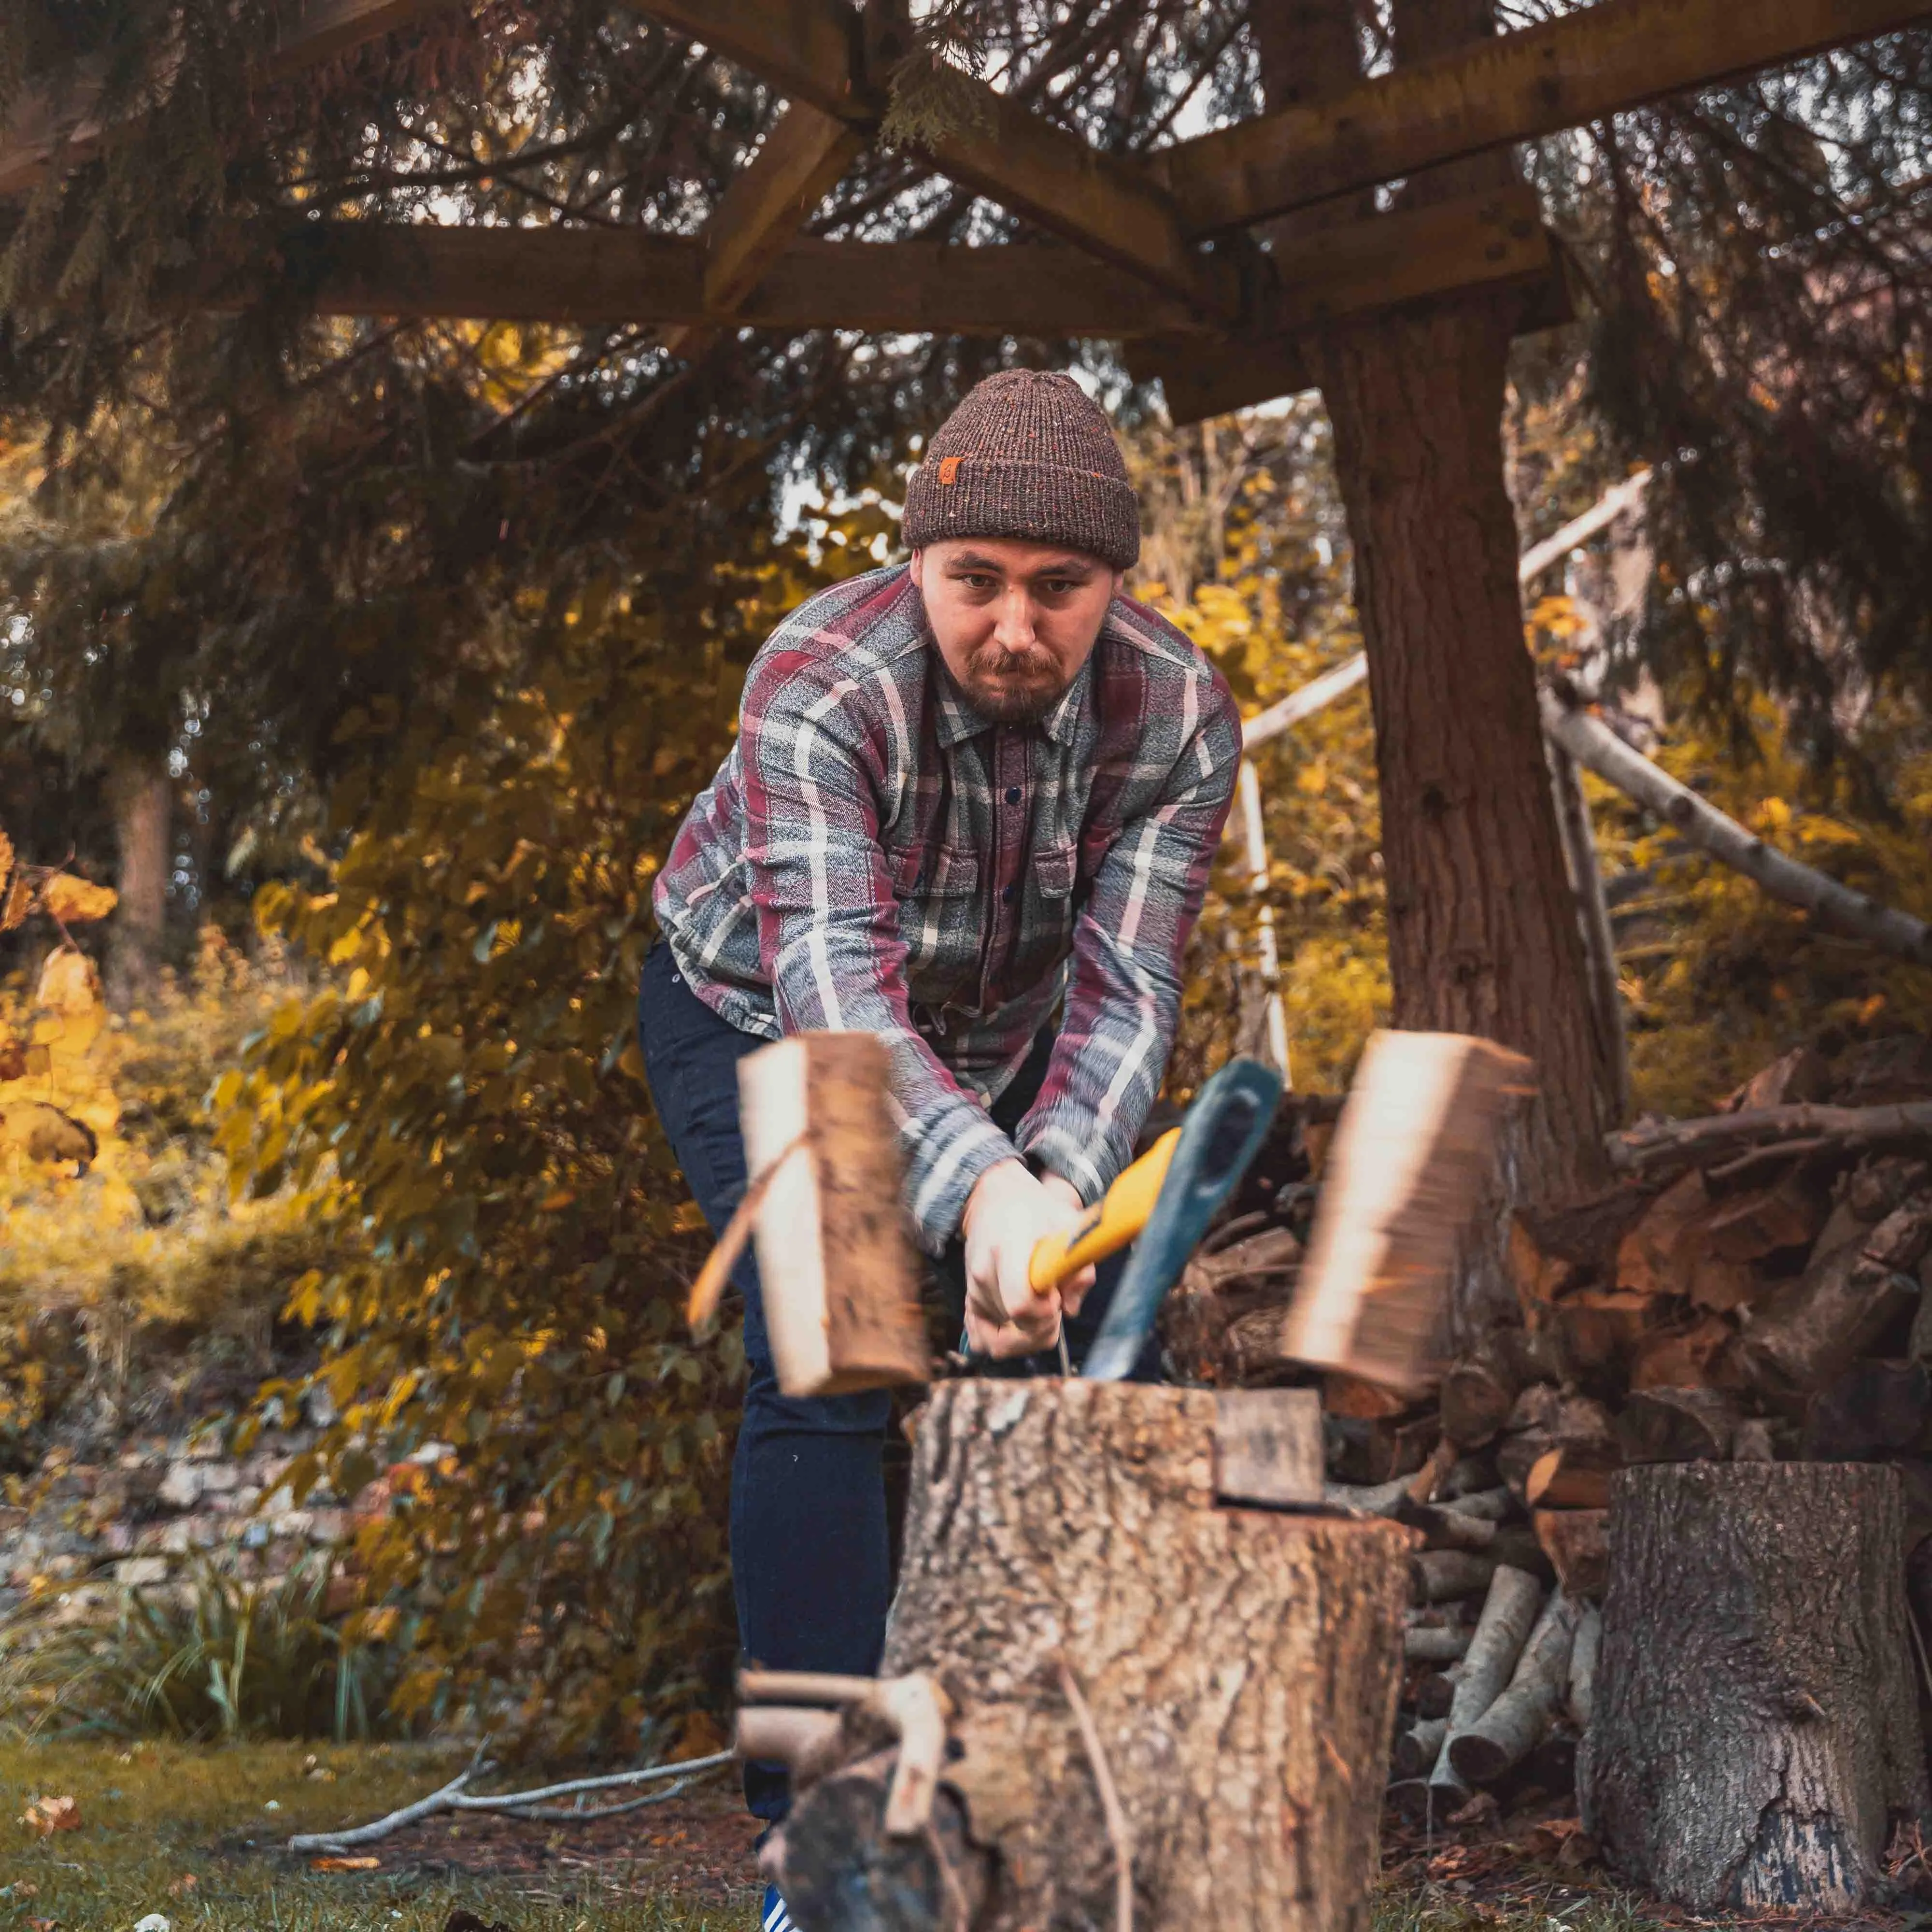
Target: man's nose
(1015,629)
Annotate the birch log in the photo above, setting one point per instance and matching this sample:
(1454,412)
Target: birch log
(1508,1611)
(1596,747)
(1515,1724)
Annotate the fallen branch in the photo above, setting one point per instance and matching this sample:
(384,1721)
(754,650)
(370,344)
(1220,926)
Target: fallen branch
(1701,1142)
(1322,691)
(456,1796)
(1594,745)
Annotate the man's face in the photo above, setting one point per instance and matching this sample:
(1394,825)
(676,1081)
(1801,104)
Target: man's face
(1014,621)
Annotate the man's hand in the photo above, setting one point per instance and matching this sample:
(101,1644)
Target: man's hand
(1007,1213)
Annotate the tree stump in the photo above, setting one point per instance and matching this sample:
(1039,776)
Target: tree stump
(1067,1563)
(1754,1731)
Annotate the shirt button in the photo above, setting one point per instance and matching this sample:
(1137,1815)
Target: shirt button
(1012,794)
(1006,896)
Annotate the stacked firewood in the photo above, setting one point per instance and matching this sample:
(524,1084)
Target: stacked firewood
(1753,1288)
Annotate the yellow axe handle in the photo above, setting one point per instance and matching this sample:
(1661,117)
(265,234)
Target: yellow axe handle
(1109,1225)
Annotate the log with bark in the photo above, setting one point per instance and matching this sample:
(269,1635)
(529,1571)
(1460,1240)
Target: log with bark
(1813,1328)
(1509,1612)
(1520,1717)
(1754,1733)
(1576,1543)
(1676,1425)
(1239,1667)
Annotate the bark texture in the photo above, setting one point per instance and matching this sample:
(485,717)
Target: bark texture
(1753,1730)
(1241,1666)
(143,799)
(1482,926)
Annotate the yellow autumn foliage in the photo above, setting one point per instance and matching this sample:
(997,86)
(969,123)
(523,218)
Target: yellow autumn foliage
(76,901)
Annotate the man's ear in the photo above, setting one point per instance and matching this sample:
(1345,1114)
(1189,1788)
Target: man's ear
(918,569)
(1120,577)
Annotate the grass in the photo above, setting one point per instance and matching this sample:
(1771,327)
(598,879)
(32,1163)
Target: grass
(159,1813)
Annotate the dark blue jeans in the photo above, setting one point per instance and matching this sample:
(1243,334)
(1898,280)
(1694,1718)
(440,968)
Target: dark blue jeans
(810,1565)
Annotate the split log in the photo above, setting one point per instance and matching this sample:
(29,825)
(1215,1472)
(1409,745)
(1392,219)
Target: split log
(1477,1395)
(1594,744)
(1580,1693)
(1517,1722)
(1509,1610)
(1664,1145)
(1690,1357)
(1755,1725)
(1577,1541)
(1676,1425)
(1241,1668)
(1763,1221)
(1418,1748)
(1596,1333)
(1445,1643)
(1813,1328)
(1872,1409)
(1570,1478)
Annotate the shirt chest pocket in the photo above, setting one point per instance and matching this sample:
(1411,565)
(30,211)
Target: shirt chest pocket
(933,872)
(1052,868)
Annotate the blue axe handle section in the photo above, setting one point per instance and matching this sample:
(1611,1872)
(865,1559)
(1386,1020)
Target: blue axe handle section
(1222,1133)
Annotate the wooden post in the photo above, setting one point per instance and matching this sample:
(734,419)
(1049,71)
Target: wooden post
(1238,1669)
(1255,836)
(1593,916)
(1754,1728)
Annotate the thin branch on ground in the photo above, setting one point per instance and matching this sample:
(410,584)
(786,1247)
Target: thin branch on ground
(456,1796)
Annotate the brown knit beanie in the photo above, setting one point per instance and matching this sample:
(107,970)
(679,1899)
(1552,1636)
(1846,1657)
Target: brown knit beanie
(1030,455)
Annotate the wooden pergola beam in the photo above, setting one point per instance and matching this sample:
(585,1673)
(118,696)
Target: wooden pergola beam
(1599,61)
(1484,241)
(592,276)
(768,201)
(47,121)
(812,51)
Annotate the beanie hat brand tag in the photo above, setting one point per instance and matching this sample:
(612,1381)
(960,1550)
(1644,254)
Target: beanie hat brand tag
(1028,455)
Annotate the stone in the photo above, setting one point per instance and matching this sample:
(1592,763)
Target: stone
(141,1573)
(181,1487)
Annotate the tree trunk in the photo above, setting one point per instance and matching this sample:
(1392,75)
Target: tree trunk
(1241,1667)
(1754,1730)
(1482,933)
(143,799)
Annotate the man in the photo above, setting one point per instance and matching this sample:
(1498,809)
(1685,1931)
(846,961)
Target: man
(968,794)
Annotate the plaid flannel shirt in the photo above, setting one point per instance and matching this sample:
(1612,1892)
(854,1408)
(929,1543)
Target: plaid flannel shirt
(875,854)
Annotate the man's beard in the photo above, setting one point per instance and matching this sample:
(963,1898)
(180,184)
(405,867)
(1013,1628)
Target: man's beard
(990,684)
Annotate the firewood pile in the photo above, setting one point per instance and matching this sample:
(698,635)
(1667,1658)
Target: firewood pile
(1753,1287)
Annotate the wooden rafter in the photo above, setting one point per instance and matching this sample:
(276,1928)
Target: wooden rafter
(1485,241)
(812,51)
(47,122)
(766,204)
(1600,61)
(580,275)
